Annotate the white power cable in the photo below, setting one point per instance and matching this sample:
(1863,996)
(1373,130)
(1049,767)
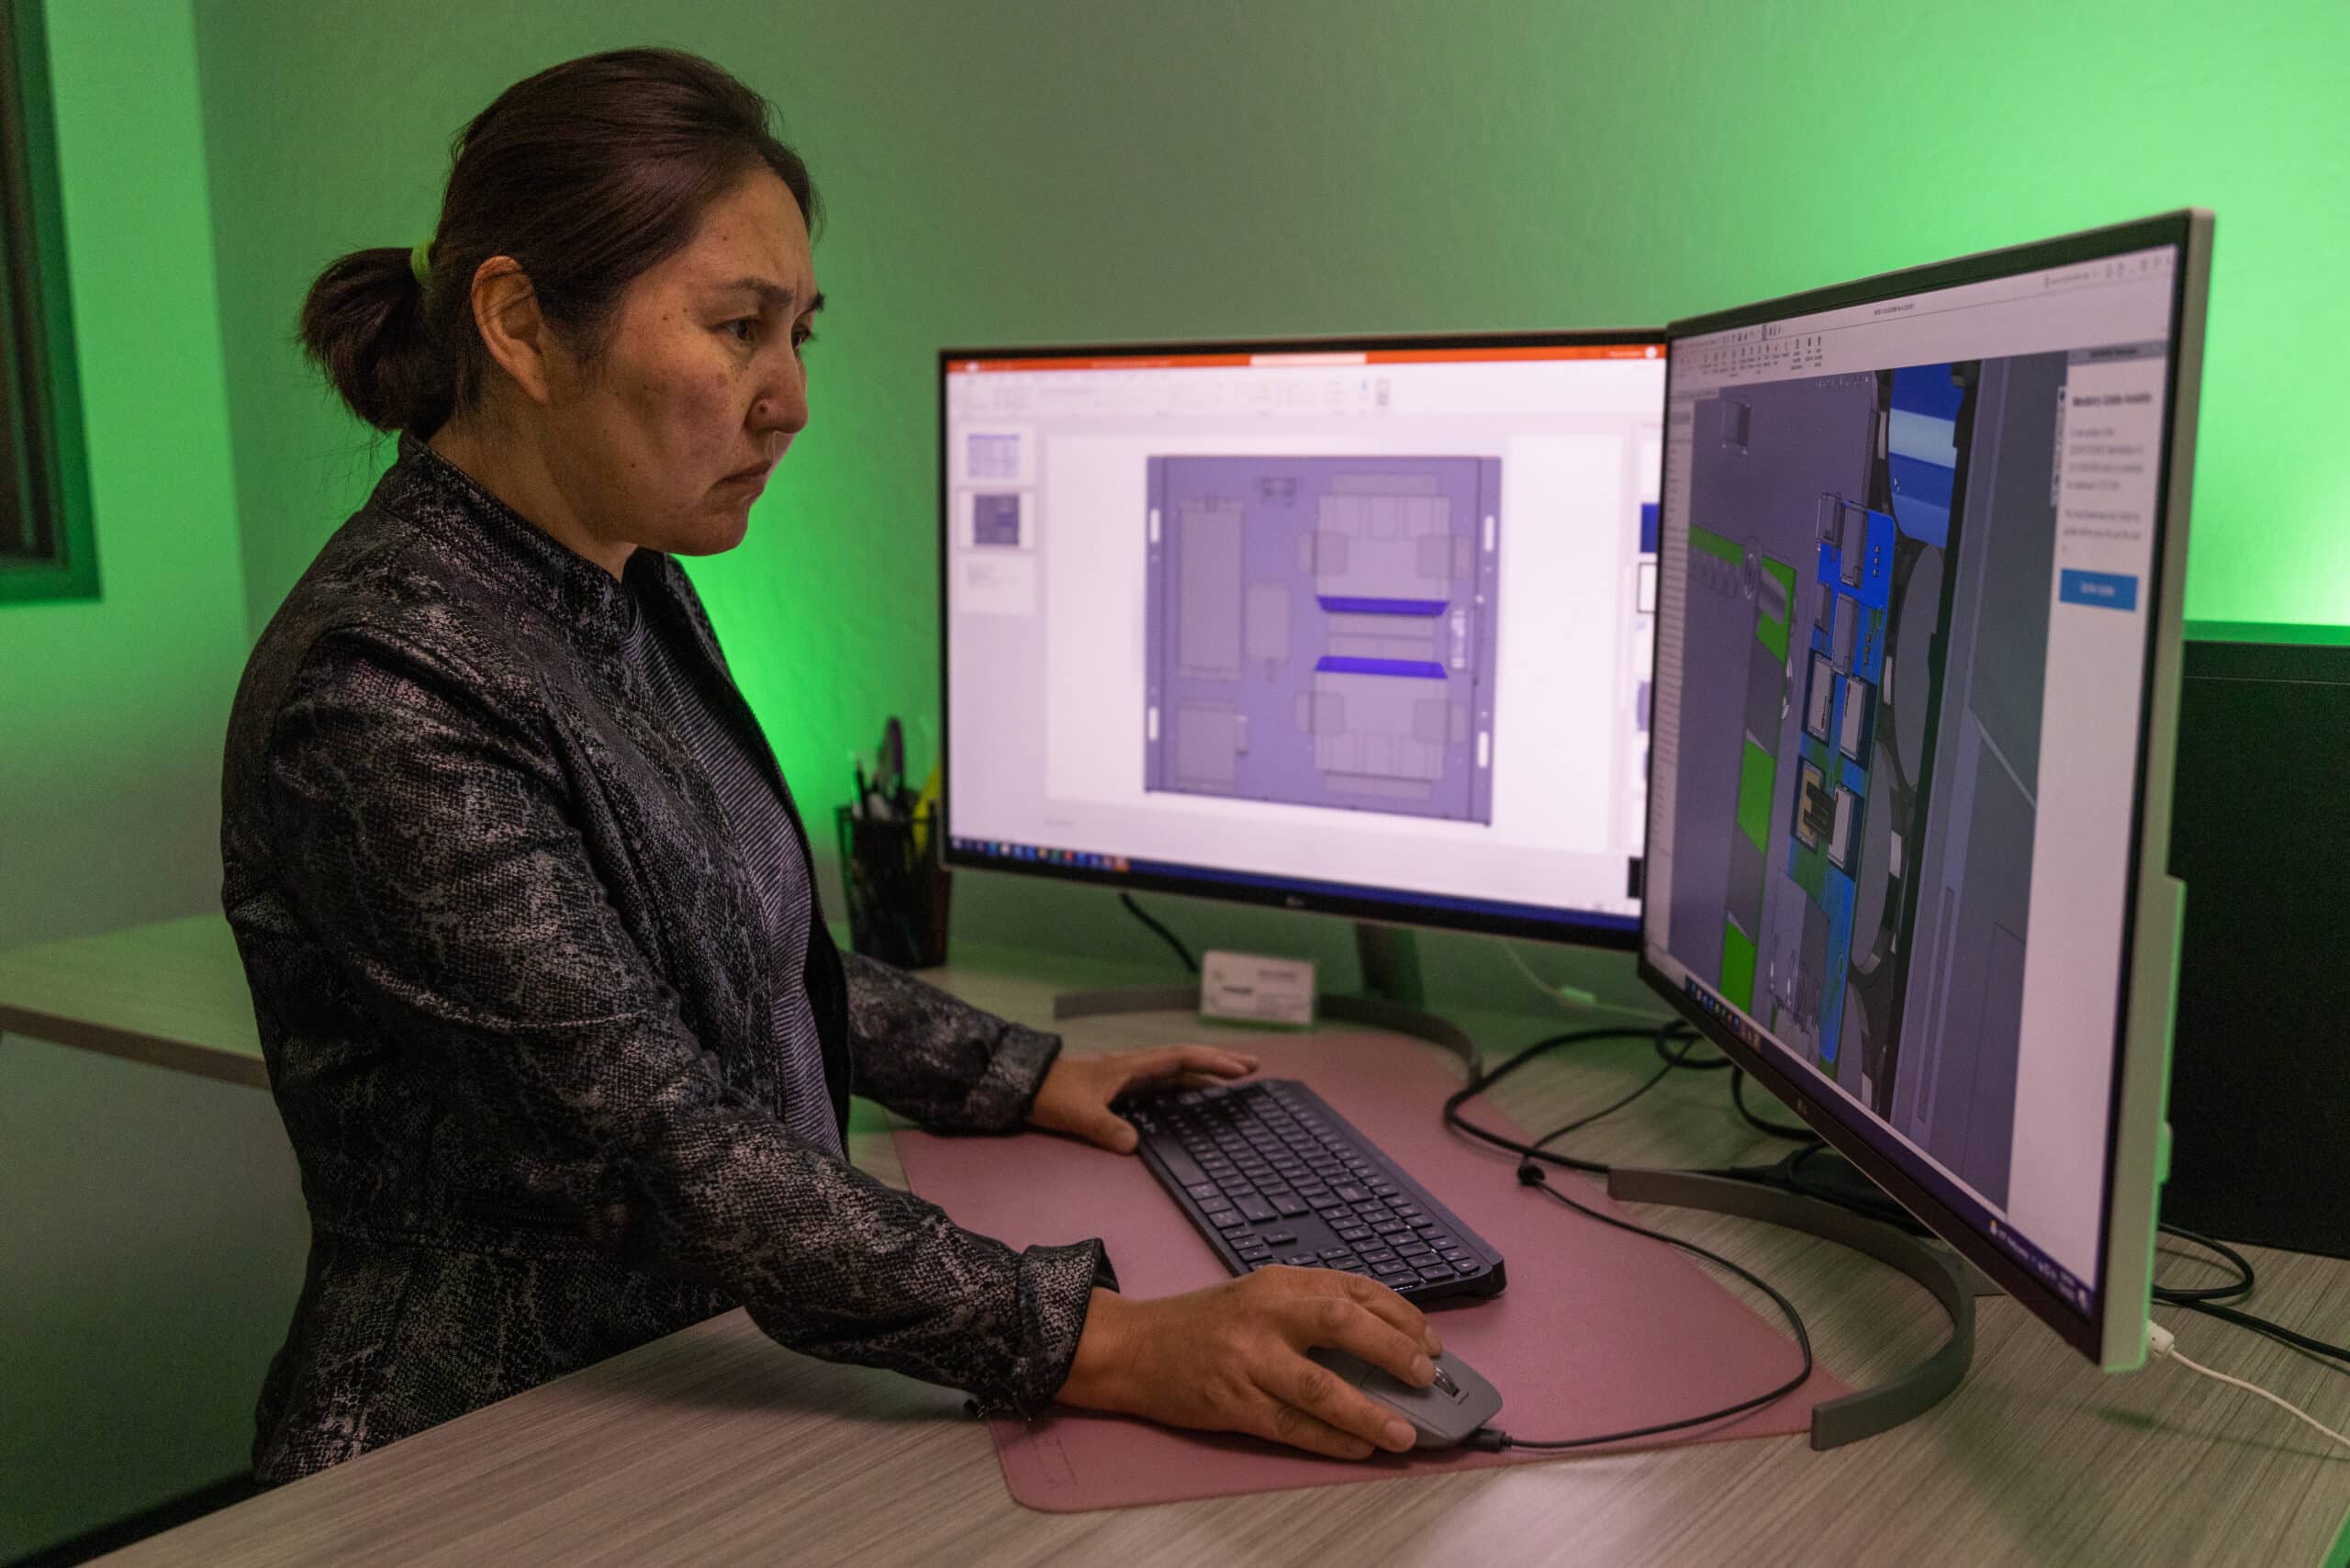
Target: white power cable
(1575,996)
(2165,1346)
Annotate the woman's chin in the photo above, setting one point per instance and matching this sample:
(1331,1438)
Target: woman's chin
(717,530)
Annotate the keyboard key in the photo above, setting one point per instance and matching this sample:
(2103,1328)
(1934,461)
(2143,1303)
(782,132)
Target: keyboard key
(1354,1233)
(1289,1204)
(1202,1188)
(1352,1195)
(1427,1226)
(1329,1252)
(1389,1227)
(1378,1255)
(1280,1238)
(1228,1220)
(1388,1269)
(1413,1250)
(1301,1260)
(1256,1209)
(1436,1273)
(1255,1254)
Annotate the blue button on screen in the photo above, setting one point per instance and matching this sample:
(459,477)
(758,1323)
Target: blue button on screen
(2108,590)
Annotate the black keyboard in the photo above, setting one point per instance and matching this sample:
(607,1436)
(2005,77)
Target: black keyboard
(1269,1174)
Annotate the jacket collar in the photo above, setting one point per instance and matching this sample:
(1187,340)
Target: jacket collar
(588,601)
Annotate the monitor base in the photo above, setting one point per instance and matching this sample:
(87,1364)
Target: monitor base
(1908,1394)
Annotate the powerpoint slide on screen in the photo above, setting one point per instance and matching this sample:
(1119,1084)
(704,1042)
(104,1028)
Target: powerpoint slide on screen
(1385,631)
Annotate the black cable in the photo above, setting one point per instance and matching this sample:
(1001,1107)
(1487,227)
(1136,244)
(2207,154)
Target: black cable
(2266,1330)
(1788,1130)
(2181,1296)
(1671,1062)
(1676,1032)
(1481,1082)
(1496,1441)
(1190,963)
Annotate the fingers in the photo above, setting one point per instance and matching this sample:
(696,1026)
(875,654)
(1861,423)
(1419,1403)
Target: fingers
(1213,1063)
(1348,1325)
(1386,1305)
(1319,1410)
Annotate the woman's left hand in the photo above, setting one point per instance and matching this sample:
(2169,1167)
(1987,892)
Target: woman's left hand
(1076,1094)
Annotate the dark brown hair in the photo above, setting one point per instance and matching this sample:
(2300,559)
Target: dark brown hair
(587,174)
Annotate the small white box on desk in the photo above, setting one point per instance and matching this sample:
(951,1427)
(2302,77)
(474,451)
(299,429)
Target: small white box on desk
(1248,987)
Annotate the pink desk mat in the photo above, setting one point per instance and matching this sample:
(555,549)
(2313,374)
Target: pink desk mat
(1598,1331)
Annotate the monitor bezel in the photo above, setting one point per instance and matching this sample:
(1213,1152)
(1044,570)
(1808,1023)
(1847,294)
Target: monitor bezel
(2113,1333)
(1218,882)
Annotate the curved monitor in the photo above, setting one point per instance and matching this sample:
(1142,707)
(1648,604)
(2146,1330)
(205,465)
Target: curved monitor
(1922,555)
(1356,625)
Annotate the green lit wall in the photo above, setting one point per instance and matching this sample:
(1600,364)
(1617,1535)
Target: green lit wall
(1065,169)
(151,1230)
(1038,170)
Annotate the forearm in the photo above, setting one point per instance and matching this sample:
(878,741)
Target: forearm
(936,1058)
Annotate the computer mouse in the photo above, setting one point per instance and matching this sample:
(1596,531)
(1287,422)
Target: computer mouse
(1457,1403)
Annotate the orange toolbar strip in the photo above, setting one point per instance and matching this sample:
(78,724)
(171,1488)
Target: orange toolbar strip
(1531,351)
(1309,357)
(1134,362)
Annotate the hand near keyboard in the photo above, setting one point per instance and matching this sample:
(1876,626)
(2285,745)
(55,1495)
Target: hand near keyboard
(1232,1359)
(1076,1094)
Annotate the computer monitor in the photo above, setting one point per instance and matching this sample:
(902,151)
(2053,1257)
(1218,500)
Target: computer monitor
(1918,647)
(1353,625)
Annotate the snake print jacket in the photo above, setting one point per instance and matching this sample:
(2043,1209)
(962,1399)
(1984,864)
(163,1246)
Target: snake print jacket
(512,990)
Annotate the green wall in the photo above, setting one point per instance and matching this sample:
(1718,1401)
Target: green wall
(1042,170)
(152,1230)
(1064,170)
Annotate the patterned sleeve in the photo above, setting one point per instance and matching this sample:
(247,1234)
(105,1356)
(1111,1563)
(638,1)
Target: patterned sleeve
(938,1059)
(426,847)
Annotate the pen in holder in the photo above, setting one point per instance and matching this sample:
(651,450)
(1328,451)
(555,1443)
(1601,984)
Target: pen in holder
(896,888)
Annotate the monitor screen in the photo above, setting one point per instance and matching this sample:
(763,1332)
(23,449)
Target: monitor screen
(1912,547)
(1360,626)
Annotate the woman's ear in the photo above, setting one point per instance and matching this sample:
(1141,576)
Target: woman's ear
(506,313)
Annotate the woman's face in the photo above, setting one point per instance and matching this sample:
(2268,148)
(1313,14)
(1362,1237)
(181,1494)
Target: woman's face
(668,439)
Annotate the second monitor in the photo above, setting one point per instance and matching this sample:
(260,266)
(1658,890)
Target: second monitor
(1359,625)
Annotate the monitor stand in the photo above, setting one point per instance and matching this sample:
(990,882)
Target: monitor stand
(1771,1194)
(1391,997)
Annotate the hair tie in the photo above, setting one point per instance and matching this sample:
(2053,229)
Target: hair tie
(420,262)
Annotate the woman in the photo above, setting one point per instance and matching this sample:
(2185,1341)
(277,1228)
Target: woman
(550,1012)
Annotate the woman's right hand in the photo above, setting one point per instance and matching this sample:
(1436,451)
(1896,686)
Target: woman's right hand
(1232,1357)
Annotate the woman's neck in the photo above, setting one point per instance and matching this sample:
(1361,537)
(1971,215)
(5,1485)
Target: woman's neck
(516,472)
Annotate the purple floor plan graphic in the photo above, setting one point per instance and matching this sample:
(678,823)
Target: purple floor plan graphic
(1320,631)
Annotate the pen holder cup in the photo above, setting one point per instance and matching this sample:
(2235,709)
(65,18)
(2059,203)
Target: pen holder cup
(896,888)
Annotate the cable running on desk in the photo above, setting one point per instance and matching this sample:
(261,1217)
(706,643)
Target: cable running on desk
(1533,1156)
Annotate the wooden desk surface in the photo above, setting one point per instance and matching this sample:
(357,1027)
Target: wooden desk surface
(172,994)
(714,1445)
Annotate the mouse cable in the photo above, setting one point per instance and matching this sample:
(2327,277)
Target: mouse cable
(1481,1081)
(1495,1441)
(2164,1345)
(1190,963)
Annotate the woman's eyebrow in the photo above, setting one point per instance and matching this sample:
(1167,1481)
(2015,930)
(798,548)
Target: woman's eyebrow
(770,293)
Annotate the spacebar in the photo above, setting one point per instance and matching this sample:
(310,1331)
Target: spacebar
(1181,1166)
